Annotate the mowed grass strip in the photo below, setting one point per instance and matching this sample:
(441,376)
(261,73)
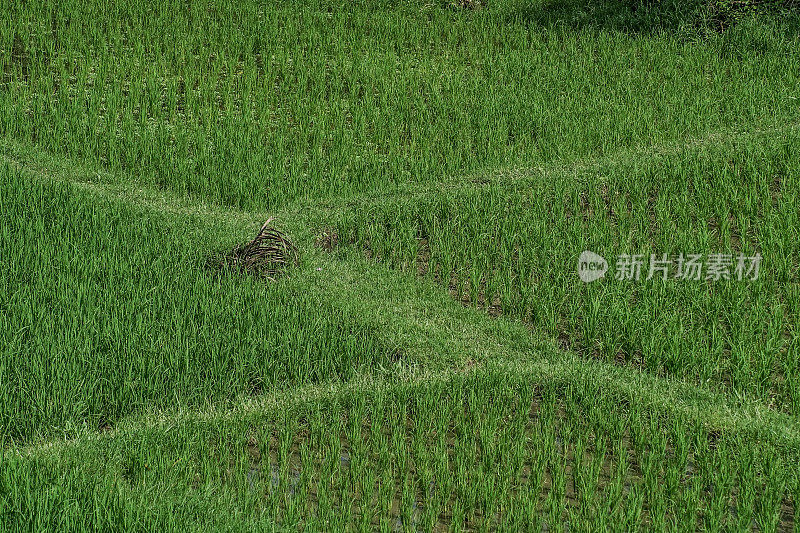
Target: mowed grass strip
(426,335)
(511,245)
(107,308)
(255,105)
(488,449)
(183,469)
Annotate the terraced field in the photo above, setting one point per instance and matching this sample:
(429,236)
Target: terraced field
(433,361)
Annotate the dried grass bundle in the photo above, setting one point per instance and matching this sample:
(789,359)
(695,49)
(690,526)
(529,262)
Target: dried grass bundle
(268,255)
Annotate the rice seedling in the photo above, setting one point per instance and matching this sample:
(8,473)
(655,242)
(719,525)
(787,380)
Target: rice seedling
(255,106)
(479,146)
(515,242)
(107,310)
(468,453)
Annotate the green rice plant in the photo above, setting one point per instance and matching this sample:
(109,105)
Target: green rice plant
(735,198)
(108,310)
(482,149)
(254,106)
(651,472)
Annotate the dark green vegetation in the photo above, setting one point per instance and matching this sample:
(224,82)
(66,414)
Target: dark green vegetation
(253,106)
(421,156)
(515,451)
(509,242)
(107,309)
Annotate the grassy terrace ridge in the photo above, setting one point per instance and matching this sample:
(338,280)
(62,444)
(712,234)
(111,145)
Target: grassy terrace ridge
(270,464)
(435,343)
(432,361)
(415,319)
(511,246)
(272,104)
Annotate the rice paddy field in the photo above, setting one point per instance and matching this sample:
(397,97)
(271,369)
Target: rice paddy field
(427,358)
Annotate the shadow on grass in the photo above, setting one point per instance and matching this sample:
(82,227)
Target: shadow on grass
(684,18)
